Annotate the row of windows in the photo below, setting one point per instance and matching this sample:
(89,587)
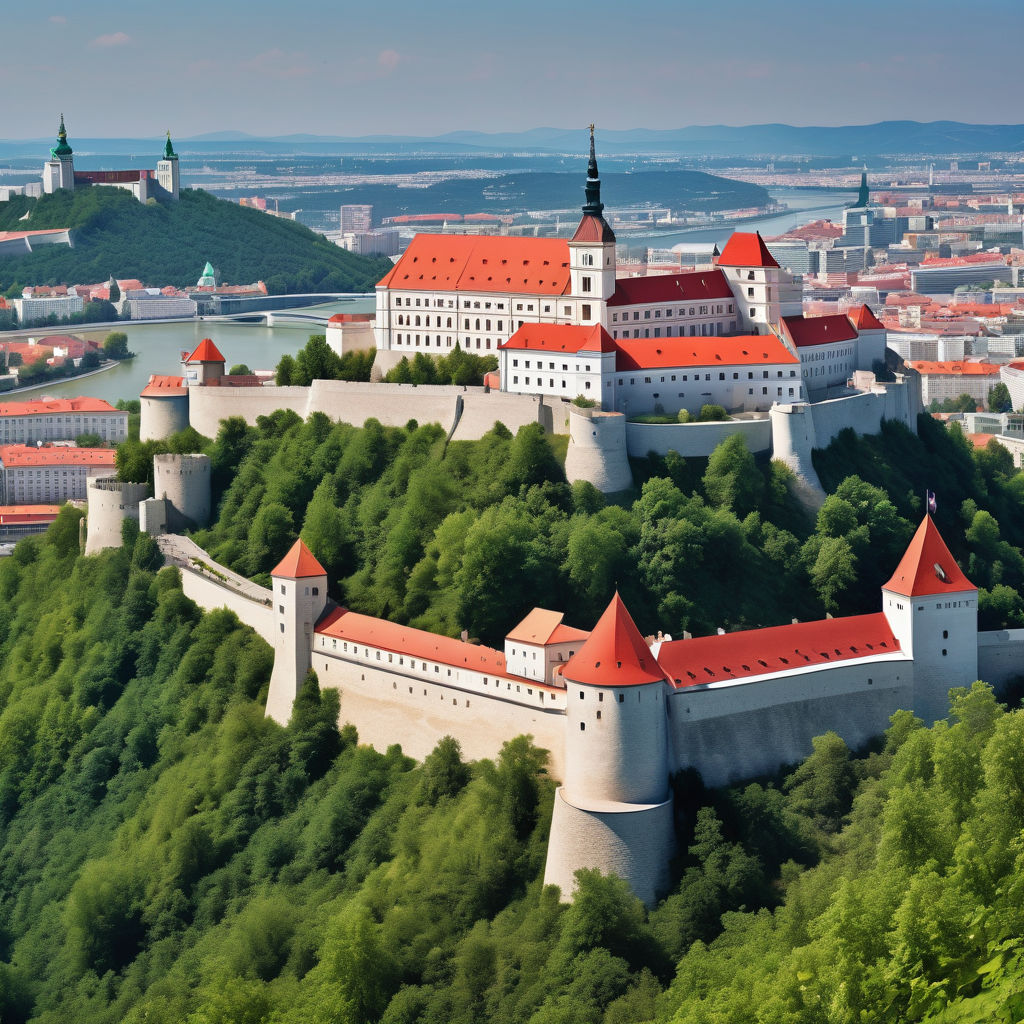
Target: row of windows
(426,343)
(707,310)
(706,330)
(551,383)
(551,366)
(707,376)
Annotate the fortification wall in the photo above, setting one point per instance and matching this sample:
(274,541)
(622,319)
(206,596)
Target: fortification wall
(864,411)
(695,440)
(481,410)
(634,841)
(597,450)
(161,417)
(153,516)
(110,503)
(210,595)
(208,406)
(356,336)
(1000,656)
(393,404)
(184,482)
(387,707)
(743,729)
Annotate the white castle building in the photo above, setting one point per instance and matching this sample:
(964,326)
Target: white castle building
(59,172)
(620,713)
(563,324)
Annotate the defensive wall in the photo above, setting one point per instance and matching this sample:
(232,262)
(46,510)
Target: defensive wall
(1000,656)
(739,730)
(162,416)
(695,440)
(110,503)
(387,705)
(597,450)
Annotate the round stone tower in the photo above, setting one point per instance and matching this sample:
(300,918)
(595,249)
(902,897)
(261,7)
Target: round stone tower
(597,450)
(110,503)
(614,810)
(164,402)
(183,481)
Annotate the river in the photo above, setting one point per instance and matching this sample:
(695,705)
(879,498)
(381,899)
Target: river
(158,347)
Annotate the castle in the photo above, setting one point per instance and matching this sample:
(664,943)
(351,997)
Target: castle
(59,172)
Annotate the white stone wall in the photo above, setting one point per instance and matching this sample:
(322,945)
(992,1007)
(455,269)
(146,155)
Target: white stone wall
(184,481)
(597,450)
(164,416)
(693,440)
(1000,656)
(632,841)
(736,730)
(210,594)
(389,703)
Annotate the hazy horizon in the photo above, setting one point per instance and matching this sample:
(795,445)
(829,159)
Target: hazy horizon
(120,70)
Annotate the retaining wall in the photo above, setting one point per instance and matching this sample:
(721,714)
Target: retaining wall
(210,595)
(1000,656)
(481,410)
(694,440)
(208,406)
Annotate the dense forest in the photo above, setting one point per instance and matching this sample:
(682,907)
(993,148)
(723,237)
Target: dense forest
(168,854)
(163,243)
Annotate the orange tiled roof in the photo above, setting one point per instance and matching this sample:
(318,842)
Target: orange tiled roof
(55,405)
(298,563)
(928,567)
(163,386)
(482,263)
(951,368)
(741,350)
(615,654)
(12,455)
(865,320)
(746,249)
(206,352)
(561,338)
(819,330)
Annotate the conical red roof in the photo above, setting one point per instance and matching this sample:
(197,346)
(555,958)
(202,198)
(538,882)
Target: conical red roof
(865,320)
(206,352)
(615,653)
(928,567)
(746,249)
(298,563)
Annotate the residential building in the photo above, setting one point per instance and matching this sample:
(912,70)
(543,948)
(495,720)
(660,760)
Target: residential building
(49,475)
(61,419)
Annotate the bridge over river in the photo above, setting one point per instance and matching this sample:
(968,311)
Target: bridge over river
(282,309)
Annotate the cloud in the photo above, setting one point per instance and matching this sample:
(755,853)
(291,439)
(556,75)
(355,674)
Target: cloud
(114,39)
(389,60)
(57,19)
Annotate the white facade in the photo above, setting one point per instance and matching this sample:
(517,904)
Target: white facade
(61,306)
(48,483)
(59,423)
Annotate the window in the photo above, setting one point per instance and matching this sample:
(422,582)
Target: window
(585,311)
(585,284)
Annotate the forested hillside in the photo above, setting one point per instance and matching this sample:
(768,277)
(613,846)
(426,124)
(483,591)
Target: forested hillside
(168,854)
(165,243)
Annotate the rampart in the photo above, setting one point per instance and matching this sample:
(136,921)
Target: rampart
(695,440)
(110,503)
(1000,656)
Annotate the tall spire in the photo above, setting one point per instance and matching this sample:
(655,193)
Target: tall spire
(593,206)
(169,153)
(862,195)
(62,148)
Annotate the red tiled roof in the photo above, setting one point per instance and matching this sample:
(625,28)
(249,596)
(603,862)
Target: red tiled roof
(163,386)
(206,352)
(754,652)
(981,440)
(615,654)
(695,286)
(55,405)
(542,627)
(955,369)
(561,338)
(56,455)
(351,318)
(819,330)
(10,514)
(298,563)
(742,350)
(482,263)
(927,567)
(865,320)
(416,643)
(746,249)
(593,229)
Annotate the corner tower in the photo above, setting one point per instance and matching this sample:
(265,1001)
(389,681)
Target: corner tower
(756,280)
(932,608)
(592,253)
(299,586)
(59,170)
(204,365)
(167,170)
(614,809)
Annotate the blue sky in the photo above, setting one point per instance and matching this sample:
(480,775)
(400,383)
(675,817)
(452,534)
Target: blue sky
(412,67)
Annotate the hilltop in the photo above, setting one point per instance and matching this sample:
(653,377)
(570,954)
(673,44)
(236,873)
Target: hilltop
(168,243)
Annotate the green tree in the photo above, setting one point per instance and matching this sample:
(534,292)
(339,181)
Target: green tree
(239,369)
(115,345)
(732,480)
(999,398)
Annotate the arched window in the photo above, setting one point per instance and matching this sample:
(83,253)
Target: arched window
(417,319)
(449,322)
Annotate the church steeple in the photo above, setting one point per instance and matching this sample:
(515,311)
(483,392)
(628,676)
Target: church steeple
(593,205)
(169,153)
(62,148)
(862,196)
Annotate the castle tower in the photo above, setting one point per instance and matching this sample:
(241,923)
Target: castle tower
(932,608)
(871,337)
(204,365)
(59,170)
(614,809)
(756,280)
(592,253)
(167,170)
(299,585)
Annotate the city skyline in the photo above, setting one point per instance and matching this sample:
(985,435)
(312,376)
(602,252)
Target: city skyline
(125,70)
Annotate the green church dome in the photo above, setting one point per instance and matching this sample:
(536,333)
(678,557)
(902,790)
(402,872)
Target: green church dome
(62,148)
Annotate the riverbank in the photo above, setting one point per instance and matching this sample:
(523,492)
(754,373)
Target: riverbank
(48,385)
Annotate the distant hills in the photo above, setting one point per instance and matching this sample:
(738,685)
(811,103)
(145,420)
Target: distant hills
(168,243)
(884,137)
